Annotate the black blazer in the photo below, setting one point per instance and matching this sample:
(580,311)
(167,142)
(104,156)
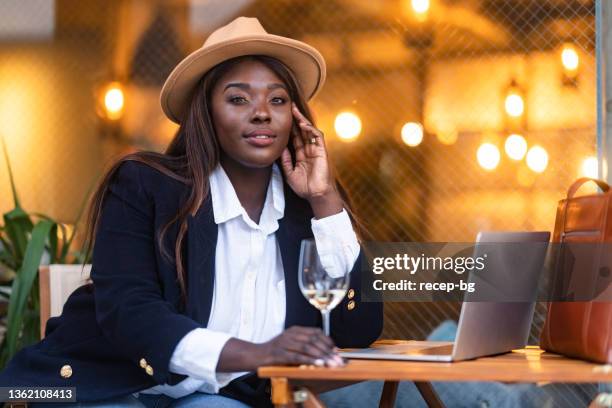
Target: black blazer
(131,316)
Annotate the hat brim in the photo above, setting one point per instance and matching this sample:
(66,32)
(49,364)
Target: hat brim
(306,63)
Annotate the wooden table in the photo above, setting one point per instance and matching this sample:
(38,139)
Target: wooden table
(531,364)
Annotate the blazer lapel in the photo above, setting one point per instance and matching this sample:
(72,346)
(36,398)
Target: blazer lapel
(201,249)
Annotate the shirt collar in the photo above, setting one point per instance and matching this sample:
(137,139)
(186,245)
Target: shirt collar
(227,206)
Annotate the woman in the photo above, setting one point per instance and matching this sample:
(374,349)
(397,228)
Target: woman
(196,250)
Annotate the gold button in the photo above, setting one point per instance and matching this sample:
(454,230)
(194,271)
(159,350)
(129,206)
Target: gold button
(66,371)
(149,370)
(351,293)
(143,363)
(351,305)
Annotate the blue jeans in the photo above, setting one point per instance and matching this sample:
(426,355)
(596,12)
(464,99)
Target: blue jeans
(124,402)
(195,400)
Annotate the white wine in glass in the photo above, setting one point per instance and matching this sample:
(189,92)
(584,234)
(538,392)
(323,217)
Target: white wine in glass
(323,286)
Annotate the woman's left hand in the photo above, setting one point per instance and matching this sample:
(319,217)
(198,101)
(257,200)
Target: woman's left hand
(311,177)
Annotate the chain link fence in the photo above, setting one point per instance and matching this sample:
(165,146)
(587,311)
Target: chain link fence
(465,75)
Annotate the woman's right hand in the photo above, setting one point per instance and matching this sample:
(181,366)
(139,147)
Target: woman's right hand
(300,345)
(296,345)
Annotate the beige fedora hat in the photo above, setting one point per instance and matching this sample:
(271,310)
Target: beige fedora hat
(243,36)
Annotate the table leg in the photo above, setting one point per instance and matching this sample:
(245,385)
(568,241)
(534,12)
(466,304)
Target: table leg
(389,393)
(429,394)
(282,395)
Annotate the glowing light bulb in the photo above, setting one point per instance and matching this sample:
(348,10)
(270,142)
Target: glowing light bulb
(537,159)
(347,126)
(412,133)
(514,104)
(420,6)
(114,101)
(569,57)
(515,147)
(488,156)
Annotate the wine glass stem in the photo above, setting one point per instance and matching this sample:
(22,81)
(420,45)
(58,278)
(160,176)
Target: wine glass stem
(325,315)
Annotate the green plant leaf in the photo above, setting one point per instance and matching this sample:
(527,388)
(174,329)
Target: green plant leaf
(56,256)
(10,173)
(18,226)
(6,262)
(22,286)
(7,256)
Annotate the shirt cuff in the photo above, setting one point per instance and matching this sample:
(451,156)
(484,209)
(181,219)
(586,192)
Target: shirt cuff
(197,356)
(337,243)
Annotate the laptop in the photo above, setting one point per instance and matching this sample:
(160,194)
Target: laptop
(485,328)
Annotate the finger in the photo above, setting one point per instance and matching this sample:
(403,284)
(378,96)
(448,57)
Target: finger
(290,357)
(311,342)
(298,145)
(312,137)
(316,334)
(286,162)
(309,139)
(307,349)
(307,134)
(299,115)
(311,129)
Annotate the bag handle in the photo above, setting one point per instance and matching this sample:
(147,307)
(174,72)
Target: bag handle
(578,183)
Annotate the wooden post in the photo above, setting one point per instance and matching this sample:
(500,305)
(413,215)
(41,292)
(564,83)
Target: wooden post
(281,392)
(389,393)
(429,394)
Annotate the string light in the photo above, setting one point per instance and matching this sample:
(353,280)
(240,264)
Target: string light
(514,104)
(570,59)
(488,156)
(537,159)
(515,147)
(412,133)
(347,126)
(113,101)
(420,6)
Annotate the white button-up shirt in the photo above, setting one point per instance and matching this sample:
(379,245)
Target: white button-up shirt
(249,292)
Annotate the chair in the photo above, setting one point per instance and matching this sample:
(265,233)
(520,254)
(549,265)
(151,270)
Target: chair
(57,282)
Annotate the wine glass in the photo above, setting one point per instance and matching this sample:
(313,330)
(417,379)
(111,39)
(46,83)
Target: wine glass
(324,286)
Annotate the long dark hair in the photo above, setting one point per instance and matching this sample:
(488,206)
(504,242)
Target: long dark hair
(191,157)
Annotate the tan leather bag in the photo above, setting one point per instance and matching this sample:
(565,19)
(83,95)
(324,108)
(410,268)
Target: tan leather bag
(581,329)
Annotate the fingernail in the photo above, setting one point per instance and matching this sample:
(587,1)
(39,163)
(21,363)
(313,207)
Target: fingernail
(331,363)
(319,362)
